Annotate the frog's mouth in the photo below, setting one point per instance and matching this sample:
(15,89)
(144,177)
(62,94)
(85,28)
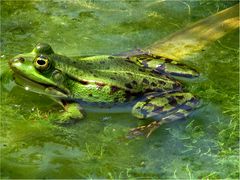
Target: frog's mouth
(39,87)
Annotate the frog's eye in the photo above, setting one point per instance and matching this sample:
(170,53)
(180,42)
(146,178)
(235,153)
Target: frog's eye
(41,63)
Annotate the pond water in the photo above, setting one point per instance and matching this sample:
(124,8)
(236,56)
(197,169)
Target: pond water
(205,145)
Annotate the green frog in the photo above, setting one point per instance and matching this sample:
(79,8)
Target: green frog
(141,81)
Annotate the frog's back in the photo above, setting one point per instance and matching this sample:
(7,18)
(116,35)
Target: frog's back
(111,79)
(119,72)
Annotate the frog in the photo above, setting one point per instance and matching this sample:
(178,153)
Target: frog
(145,83)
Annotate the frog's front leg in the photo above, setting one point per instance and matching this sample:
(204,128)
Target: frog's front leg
(163,108)
(72,112)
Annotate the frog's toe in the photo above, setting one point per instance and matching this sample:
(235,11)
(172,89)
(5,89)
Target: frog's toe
(144,130)
(138,131)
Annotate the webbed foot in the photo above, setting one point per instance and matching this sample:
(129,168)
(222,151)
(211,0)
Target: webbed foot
(144,130)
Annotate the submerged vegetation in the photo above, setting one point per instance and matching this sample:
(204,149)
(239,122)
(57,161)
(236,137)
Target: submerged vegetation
(203,146)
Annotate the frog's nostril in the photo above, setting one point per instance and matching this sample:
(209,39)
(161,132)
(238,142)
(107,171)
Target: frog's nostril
(15,60)
(21,59)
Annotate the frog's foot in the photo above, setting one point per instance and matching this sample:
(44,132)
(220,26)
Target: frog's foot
(144,130)
(164,109)
(148,129)
(72,114)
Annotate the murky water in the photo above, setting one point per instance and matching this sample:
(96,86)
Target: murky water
(203,146)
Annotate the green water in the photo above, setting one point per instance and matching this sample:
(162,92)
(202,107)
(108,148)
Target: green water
(203,146)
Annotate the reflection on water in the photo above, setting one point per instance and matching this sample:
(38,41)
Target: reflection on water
(204,145)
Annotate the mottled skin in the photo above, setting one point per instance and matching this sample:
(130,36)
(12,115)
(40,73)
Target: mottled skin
(139,78)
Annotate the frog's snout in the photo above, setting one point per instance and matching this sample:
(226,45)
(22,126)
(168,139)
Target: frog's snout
(16,60)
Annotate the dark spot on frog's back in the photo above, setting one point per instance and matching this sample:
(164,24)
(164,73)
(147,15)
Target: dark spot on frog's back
(115,100)
(102,62)
(134,82)
(177,86)
(172,101)
(100,84)
(180,97)
(114,89)
(161,82)
(130,74)
(158,57)
(168,60)
(142,69)
(145,81)
(128,85)
(153,84)
(83,82)
(110,57)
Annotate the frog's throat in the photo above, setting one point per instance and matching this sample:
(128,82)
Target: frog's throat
(40,87)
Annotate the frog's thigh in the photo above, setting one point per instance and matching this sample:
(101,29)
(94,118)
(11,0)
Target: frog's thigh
(168,107)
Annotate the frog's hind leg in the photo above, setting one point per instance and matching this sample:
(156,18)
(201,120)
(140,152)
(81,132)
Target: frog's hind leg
(161,65)
(163,109)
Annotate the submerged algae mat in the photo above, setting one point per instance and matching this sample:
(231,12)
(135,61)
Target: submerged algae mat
(203,146)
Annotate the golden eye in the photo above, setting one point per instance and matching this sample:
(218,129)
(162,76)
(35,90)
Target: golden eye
(41,63)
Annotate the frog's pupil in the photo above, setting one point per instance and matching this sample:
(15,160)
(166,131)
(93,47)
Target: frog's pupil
(41,62)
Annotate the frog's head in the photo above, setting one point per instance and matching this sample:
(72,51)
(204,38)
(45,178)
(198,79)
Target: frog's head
(36,71)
